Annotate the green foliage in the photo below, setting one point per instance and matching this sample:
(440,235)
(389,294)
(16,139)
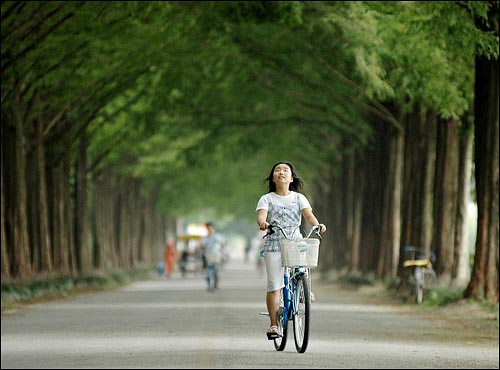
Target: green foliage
(442,295)
(198,100)
(258,90)
(360,30)
(486,16)
(428,54)
(356,280)
(256,12)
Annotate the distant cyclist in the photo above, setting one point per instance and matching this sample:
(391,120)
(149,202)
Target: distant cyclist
(283,203)
(213,244)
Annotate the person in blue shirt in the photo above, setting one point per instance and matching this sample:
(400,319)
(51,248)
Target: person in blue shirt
(213,244)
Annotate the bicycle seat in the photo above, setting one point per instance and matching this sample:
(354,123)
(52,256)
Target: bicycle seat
(423,263)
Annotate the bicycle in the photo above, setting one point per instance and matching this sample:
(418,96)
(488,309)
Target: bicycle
(422,272)
(298,255)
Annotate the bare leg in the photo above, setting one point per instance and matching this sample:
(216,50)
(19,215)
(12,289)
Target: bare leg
(273,303)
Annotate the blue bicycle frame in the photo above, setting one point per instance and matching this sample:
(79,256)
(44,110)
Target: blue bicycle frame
(289,304)
(291,297)
(295,303)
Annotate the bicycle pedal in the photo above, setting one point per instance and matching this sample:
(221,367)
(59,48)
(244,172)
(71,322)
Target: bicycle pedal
(271,336)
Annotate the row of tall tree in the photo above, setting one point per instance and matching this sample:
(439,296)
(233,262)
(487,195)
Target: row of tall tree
(119,117)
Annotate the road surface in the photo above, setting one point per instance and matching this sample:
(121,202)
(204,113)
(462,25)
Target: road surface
(176,323)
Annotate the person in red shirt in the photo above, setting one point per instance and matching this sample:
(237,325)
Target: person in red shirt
(170,255)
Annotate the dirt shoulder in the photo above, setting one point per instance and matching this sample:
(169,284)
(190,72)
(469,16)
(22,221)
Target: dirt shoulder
(465,321)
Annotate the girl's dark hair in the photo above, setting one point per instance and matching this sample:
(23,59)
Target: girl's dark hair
(296,185)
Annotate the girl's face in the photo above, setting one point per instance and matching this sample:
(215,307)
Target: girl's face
(282,174)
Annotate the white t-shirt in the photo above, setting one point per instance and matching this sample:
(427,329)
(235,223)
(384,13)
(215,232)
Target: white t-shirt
(287,211)
(283,201)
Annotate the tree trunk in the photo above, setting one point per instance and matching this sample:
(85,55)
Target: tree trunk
(143,251)
(461,250)
(135,222)
(336,196)
(349,187)
(33,209)
(104,202)
(61,251)
(390,167)
(69,215)
(394,216)
(42,216)
(419,162)
(81,228)
(61,216)
(358,211)
(23,268)
(424,191)
(384,187)
(418,181)
(484,279)
(372,206)
(445,192)
(5,254)
(323,209)
(9,183)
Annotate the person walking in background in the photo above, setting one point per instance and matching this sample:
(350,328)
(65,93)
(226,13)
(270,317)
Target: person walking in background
(248,248)
(170,255)
(257,246)
(183,261)
(285,204)
(213,244)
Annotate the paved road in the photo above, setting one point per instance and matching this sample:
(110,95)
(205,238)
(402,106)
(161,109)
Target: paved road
(175,323)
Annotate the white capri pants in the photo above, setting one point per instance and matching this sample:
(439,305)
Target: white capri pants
(274,271)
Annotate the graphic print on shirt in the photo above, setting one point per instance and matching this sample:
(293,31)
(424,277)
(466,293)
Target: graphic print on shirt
(289,217)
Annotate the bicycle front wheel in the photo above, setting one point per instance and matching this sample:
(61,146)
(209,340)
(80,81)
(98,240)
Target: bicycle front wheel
(301,316)
(280,342)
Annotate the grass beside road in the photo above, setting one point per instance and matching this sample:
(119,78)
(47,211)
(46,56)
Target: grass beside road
(476,320)
(16,294)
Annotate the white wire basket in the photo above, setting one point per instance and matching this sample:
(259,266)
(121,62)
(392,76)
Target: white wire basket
(299,252)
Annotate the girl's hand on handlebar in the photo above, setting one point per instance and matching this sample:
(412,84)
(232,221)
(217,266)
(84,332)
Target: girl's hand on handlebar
(264,225)
(322,228)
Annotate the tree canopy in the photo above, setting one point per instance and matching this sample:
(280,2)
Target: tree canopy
(207,96)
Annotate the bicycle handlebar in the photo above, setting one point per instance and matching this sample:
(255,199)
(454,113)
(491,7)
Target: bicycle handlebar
(275,225)
(418,253)
(271,229)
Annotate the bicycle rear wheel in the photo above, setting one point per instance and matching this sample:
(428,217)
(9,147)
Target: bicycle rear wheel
(301,317)
(419,285)
(280,342)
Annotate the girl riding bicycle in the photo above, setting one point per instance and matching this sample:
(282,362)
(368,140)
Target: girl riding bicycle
(283,203)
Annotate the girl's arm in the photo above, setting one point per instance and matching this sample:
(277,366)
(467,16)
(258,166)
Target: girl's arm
(311,219)
(261,219)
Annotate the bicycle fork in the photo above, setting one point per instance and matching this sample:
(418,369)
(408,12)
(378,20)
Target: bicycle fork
(293,297)
(290,300)
(287,303)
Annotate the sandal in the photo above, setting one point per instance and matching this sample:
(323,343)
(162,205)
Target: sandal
(272,332)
